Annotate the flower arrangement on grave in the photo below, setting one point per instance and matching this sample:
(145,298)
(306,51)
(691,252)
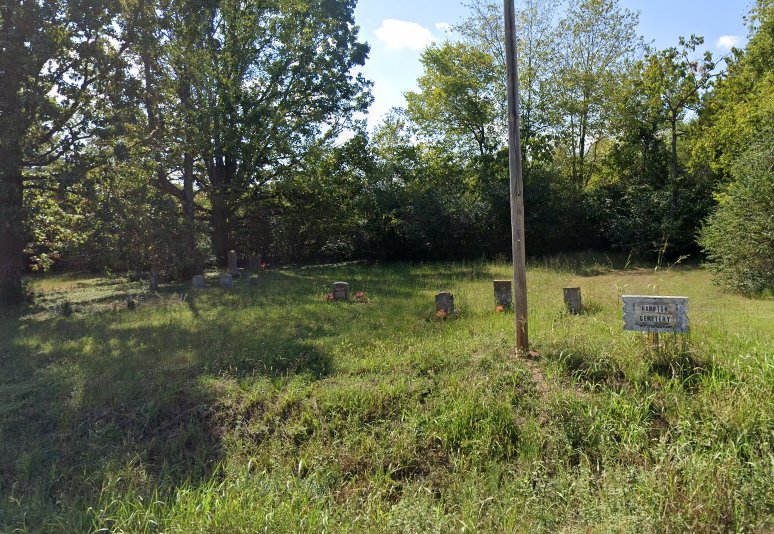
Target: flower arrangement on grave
(500,309)
(330,298)
(361,297)
(441,314)
(263,265)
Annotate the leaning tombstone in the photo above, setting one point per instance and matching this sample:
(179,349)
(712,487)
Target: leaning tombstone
(226,281)
(233,267)
(198,282)
(502,293)
(340,291)
(254,262)
(572,300)
(444,304)
(154,279)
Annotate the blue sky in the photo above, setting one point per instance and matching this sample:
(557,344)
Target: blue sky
(397,30)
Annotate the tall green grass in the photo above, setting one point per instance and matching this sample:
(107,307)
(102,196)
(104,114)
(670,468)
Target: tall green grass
(268,409)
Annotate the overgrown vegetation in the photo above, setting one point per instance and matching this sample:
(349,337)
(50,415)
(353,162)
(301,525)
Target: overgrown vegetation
(267,408)
(185,129)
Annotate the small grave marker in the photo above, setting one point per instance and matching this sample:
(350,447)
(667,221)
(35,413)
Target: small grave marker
(154,279)
(226,281)
(444,302)
(503,294)
(655,314)
(254,262)
(572,300)
(233,267)
(198,282)
(340,291)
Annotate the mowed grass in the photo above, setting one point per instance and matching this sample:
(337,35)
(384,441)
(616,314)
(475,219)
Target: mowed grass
(265,408)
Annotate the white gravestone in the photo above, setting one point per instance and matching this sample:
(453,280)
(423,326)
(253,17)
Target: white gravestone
(233,267)
(154,279)
(655,314)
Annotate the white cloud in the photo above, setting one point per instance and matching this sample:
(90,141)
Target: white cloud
(398,34)
(727,42)
(442,26)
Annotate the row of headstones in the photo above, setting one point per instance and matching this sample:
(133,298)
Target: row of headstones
(444,301)
(254,263)
(226,281)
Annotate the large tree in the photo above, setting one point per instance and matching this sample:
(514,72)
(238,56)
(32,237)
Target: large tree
(535,23)
(275,80)
(735,138)
(456,100)
(59,61)
(672,80)
(597,39)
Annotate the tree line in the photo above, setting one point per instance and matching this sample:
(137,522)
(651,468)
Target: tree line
(159,134)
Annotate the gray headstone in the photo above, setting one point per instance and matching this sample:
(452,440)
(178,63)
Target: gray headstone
(572,300)
(444,301)
(233,267)
(340,291)
(254,262)
(253,281)
(503,294)
(153,282)
(198,282)
(226,281)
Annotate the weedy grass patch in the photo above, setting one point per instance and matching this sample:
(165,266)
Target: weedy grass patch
(268,408)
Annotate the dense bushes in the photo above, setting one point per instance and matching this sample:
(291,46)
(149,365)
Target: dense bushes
(739,236)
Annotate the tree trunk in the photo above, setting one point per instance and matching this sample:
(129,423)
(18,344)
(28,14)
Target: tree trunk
(11,234)
(222,173)
(190,263)
(582,152)
(220,241)
(673,170)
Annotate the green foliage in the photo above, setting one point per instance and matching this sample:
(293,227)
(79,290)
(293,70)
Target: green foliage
(735,138)
(54,220)
(742,100)
(739,237)
(61,72)
(598,38)
(318,214)
(456,100)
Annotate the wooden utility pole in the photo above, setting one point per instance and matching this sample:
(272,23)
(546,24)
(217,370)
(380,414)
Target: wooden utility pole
(517,183)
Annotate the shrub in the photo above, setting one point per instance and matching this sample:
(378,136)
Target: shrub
(739,237)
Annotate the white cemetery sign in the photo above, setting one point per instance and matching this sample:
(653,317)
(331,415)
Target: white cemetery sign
(655,314)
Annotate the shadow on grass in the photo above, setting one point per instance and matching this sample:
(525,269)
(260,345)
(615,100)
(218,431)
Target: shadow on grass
(393,279)
(586,366)
(86,396)
(690,369)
